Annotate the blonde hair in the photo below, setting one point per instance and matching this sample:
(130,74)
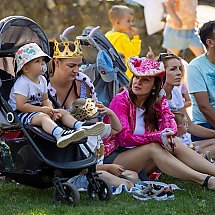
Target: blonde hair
(184,70)
(117,11)
(179,116)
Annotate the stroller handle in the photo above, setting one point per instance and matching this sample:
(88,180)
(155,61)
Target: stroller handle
(65,32)
(93,31)
(89,38)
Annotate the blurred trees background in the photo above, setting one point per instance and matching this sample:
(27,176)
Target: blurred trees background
(56,15)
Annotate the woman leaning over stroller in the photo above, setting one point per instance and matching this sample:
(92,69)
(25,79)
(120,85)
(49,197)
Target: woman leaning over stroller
(67,83)
(146,140)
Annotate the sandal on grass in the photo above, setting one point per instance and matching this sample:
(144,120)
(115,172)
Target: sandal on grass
(205,183)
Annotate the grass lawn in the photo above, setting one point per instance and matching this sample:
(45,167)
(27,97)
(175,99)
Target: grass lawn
(16,199)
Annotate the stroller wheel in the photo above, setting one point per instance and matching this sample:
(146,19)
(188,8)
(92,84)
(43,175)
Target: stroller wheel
(69,195)
(104,190)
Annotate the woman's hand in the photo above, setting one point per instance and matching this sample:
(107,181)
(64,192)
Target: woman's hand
(102,109)
(167,139)
(150,54)
(115,169)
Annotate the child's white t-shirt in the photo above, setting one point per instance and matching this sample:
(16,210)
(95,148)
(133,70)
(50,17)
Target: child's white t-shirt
(96,144)
(176,102)
(32,91)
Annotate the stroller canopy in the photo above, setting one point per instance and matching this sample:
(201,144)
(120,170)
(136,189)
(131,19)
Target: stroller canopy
(16,31)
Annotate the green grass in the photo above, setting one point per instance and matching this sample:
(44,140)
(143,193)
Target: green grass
(16,199)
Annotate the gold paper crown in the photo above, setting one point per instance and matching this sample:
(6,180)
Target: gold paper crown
(66,53)
(84,112)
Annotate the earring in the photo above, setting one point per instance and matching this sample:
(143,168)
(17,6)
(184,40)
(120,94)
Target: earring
(153,93)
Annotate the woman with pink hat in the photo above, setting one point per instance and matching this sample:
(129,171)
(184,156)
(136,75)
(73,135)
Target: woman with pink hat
(147,139)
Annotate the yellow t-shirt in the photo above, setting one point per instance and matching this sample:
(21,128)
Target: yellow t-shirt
(186,11)
(124,45)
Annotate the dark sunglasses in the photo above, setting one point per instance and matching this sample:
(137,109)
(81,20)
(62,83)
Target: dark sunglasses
(166,55)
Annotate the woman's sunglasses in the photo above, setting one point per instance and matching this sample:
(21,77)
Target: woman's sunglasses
(166,55)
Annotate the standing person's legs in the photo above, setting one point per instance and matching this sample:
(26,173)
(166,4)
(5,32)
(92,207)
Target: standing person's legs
(195,43)
(152,155)
(174,51)
(172,40)
(197,50)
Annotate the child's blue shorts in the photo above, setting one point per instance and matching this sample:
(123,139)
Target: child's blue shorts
(180,39)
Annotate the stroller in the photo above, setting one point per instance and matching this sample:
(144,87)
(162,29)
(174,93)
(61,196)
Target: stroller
(28,155)
(103,64)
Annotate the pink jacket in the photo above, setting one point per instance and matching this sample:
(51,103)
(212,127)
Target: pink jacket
(126,113)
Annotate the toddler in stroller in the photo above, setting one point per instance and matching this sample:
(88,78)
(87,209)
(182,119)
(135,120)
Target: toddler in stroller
(29,98)
(27,153)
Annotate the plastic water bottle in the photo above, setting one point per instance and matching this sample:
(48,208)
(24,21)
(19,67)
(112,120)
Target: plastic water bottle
(6,156)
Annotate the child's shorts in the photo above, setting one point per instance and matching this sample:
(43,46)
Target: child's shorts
(180,39)
(26,118)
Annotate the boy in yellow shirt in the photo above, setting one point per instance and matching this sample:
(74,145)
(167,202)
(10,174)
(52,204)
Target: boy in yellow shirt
(121,18)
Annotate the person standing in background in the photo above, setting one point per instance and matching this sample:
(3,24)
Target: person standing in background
(181,30)
(121,18)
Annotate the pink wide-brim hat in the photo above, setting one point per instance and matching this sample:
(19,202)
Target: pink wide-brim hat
(146,67)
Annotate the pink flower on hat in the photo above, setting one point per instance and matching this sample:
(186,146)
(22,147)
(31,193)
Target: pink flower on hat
(145,67)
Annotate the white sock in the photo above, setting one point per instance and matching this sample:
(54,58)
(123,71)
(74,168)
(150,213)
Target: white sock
(56,132)
(78,124)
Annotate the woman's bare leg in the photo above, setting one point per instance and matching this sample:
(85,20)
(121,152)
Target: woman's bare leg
(193,159)
(114,180)
(147,157)
(130,175)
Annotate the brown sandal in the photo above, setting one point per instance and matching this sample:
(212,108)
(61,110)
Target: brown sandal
(205,183)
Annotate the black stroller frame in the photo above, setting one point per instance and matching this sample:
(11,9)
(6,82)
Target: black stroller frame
(28,155)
